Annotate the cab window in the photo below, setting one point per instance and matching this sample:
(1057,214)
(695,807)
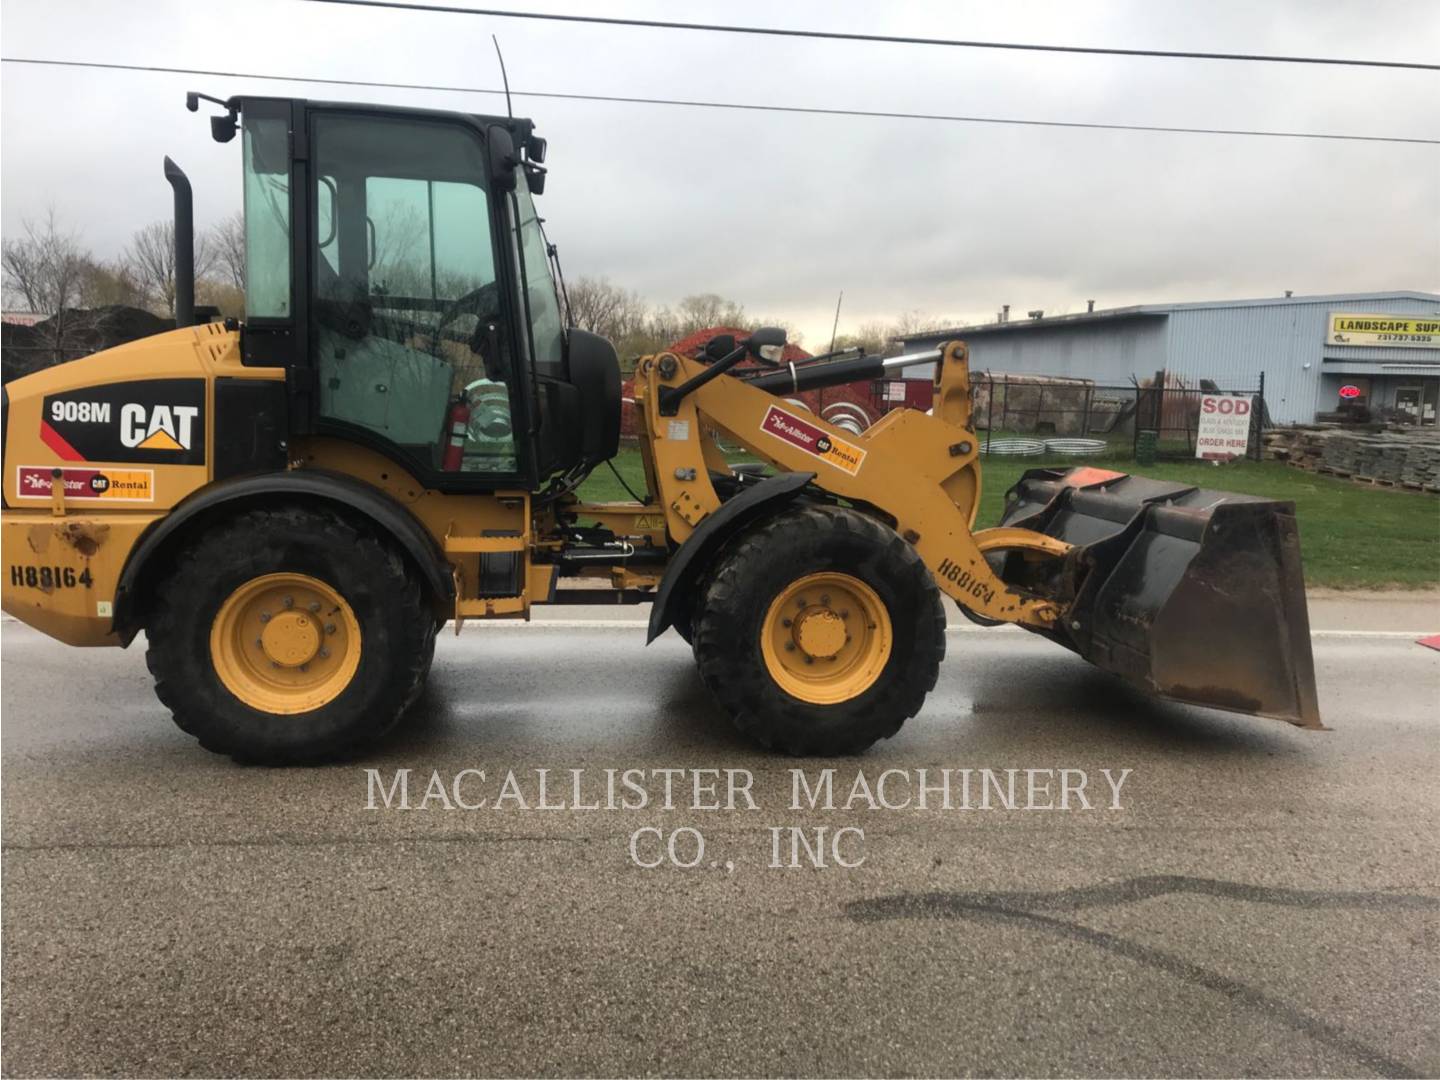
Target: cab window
(267,217)
(407,309)
(542,303)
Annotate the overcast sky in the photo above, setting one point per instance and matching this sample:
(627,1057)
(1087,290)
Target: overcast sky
(781,212)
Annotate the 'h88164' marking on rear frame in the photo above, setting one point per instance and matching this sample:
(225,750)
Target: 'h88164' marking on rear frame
(47,578)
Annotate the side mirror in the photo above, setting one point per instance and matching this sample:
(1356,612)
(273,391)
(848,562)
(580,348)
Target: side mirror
(535,149)
(767,344)
(222,128)
(719,347)
(503,159)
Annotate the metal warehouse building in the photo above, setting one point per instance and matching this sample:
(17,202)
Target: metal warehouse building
(1380,350)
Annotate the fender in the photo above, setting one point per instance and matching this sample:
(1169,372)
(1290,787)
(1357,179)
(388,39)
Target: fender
(673,601)
(311,485)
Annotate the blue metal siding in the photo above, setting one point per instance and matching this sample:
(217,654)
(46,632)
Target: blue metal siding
(1232,345)
(1106,354)
(1228,343)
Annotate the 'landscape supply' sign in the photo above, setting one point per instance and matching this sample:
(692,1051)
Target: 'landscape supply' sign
(1224,430)
(1393,331)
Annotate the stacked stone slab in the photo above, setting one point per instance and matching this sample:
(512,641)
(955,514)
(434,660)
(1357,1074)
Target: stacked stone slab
(1408,458)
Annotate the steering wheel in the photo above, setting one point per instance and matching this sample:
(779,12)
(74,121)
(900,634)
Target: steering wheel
(483,303)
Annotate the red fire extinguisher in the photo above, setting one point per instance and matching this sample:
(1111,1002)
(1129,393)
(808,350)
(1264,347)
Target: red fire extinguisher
(458,423)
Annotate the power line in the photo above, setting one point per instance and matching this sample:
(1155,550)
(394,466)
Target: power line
(803,110)
(836,35)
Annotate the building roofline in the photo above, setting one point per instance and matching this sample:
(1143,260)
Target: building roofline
(1155,311)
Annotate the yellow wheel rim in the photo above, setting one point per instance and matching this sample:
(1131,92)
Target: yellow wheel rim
(285,643)
(826,638)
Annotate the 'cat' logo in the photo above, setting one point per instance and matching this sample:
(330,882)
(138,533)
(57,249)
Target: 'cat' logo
(159,427)
(142,422)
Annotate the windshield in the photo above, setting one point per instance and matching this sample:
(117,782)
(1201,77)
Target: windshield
(542,301)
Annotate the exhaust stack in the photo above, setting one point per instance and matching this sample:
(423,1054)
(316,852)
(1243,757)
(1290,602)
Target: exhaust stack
(184,244)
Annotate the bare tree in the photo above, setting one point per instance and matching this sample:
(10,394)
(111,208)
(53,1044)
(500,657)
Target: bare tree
(217,292)
(108,284)
(150,258)
(48,272)
(45,268)
(915,322)
(605,309)
(227,239)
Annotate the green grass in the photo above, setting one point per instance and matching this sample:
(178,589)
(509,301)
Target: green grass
(1352,536)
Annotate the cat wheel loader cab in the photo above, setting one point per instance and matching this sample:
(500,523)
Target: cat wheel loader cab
(291,505)
(395,262)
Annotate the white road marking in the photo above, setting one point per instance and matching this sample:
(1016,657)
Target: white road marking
(635,624)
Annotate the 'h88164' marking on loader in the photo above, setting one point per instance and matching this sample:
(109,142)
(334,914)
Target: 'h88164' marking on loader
(967,581)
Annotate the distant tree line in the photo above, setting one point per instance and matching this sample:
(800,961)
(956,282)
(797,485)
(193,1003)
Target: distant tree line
(637,328)
(82,300)
(86,302)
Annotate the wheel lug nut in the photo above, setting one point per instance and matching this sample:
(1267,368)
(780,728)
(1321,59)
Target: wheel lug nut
(264,616)
(800,602)
(845,614)
(289,602)
(315,607)
(324,654)
(785,622)
(304,667)
(329,627)
(259,644)
(825,599)
(274,663)
(809,659)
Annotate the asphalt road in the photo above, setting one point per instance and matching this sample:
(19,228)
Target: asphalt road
(1266,902)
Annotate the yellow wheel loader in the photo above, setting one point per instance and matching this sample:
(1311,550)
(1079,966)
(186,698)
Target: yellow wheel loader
(292,505)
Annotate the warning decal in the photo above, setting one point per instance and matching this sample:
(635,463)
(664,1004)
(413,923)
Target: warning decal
(108,485)
(847,457)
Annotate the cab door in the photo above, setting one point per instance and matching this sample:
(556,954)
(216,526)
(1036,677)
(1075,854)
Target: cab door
(409,303)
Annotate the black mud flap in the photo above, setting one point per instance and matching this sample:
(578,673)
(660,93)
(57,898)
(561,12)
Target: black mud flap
(1190,594)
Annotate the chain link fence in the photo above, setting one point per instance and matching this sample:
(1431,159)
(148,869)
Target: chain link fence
(1031,416)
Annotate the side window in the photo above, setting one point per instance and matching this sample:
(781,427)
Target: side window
(541,300)
(267,218)
(407,307)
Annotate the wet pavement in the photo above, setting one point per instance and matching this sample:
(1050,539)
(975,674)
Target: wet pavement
(1264,900)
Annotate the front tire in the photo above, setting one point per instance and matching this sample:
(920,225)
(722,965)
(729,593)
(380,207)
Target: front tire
(289,636)
(821,632)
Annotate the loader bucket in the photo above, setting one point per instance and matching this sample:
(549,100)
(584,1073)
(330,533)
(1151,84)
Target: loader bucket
(1191,594)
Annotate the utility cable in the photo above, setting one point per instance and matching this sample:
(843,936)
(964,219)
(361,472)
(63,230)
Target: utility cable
(736,105)
(887,39)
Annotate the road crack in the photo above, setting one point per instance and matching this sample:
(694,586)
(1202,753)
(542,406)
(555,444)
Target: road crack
(1025,908)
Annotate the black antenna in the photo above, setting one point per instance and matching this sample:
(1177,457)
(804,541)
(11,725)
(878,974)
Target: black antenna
(503,77)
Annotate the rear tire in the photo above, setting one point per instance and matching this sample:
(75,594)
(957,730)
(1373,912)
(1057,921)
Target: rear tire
(289,636)
(821,632)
